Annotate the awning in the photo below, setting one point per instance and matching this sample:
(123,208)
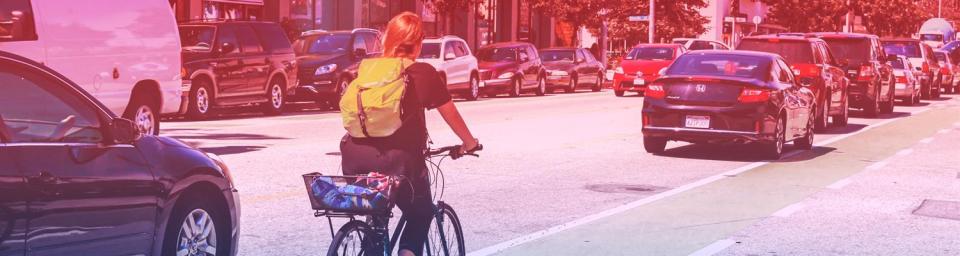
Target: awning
(250,2)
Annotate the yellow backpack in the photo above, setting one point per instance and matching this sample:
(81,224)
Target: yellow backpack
(370,106)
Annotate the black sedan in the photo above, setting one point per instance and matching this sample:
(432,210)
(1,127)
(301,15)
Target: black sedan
(728,97)
(75,179)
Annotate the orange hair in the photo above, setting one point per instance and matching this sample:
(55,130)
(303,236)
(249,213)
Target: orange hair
(403,36)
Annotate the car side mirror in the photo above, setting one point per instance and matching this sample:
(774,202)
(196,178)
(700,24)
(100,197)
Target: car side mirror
(449,56)
(124,131)
(360,53)
(226,48)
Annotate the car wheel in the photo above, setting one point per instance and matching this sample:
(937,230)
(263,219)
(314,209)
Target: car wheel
(599,85)
(342,85)
(842,119)
(201,100)
(197,228)
(806,143)
(925,91)
(909,101)
(935,92)
(654,145)
(541,86)
(276,99)
(515,92)
(619,93)
(572,87)
(873,109)
(822,114)
(144,114)
(774,150)
(474,92)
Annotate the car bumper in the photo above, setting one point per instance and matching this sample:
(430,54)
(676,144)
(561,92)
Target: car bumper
(495,84)
(558,81)
(860,94)
(631,83)
(314,90)
(904,90)
(734,124)
(185,87)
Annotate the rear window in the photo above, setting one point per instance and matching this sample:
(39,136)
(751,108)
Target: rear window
(855,50)
(557,55)
(650,53)
(497,54)
(897,64)
(942,57)
(792,51)
(273,37)
(721,65)
(197,38)
(931,37)
(909,49)
(430,51)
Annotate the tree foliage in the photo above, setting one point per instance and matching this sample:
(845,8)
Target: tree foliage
(450,6)
(674,18)
(891,18)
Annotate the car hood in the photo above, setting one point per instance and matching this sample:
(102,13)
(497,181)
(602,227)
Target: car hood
(558,65)
(645,66)
(173,142)
(496,65)
(319,60)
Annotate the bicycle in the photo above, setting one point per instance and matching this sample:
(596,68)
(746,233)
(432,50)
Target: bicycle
(370,237)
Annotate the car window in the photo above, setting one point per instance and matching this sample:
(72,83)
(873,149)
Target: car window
(327,43)
(718,46)
(855,50)
(827,55)
(909,49)
(197,38)
(792,51)
(786,74)
(700,45)
(580,56)
(38,110)
(249,41)
(448,49)
(226,35)
(371,42)
(460,49)
(532,52)
(273,38)
(817,54)
(524,56)
(429,51)
(359,43)
(650,53)
(557,55)
(728,65)
(16,21)
(497,54)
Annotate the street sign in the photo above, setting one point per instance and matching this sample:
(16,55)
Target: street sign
(737,19)
(757,20)
(638,18)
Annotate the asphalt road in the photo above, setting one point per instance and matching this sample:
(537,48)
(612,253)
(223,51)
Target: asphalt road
(556,166)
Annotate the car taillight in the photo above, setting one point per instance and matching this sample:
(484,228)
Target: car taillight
(926,67)
(866,73)
(655,91)
(901,79)
(753,95)
(808,70)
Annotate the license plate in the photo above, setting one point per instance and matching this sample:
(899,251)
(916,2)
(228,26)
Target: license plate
(702,122)
(639,81)
(901,86)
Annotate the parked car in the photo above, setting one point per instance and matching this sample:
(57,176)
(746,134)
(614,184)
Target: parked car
(815,68)
(237,63)
(456,64)
(512,67)
(728,97)
(871,77)
(694,44)
(572,68)
(907,85)
(923,60)
(949,70)
(76,179)
(131,64)
(642,65)
(327,62)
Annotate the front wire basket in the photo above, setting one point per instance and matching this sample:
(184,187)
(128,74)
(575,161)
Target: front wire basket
(340,181)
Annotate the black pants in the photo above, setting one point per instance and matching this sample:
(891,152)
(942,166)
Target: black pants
(362,156)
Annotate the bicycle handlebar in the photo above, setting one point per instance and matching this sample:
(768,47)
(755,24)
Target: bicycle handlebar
(450,150)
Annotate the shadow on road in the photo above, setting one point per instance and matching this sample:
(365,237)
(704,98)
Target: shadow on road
(227,136)
(849,128)
(230,150)
(861,114)
(739,153)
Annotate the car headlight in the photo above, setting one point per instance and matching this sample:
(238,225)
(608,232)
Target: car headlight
(619,70)
(325,69)
(507,75)
(559,73)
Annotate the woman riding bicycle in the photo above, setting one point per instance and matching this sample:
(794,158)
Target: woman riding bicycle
(402,152)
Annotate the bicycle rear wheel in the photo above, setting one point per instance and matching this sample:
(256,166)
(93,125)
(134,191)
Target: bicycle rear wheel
(446,234)
(349,240)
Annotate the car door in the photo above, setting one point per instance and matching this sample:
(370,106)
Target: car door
(798,101)
(256,62)
(531,71)
(228,66)
(88,196)
(13,202)
(835,76)
(448,65)
(460,65)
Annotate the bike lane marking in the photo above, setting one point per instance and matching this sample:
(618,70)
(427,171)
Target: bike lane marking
(555,231)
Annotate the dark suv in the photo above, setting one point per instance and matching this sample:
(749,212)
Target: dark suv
(76,179)
(923,59)
(328,61)
(816,69)
(511,67)
(871,76)
(236,64)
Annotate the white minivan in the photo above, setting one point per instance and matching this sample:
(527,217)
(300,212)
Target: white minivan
(126,53)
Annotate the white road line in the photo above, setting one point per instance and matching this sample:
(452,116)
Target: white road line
(927,140)
(905,152)
(943,131)
(840,184)
(877,165)
(493,249)
(789,210)
(714,248)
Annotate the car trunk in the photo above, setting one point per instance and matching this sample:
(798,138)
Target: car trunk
(701,91)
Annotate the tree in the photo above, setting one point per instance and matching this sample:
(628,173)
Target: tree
(881,17)
(674,18)
(450,6)
(895,18)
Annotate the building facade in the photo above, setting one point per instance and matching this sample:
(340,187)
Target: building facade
(723,14)
(489,22)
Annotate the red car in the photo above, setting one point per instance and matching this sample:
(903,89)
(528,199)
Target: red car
(642,65)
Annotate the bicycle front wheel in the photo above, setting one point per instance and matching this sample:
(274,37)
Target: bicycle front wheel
(446,234)
(349,240)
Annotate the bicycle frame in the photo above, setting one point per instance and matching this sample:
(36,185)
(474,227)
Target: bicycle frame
(382,229)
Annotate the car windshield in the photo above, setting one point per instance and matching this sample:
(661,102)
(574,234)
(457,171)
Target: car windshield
(792,51)
(931,37)
(328,44)
(854,50)
(430,51)
(951,46)
(497,54)
(909,49)
(556,55)
(650,53)
(721,65)
(197,38)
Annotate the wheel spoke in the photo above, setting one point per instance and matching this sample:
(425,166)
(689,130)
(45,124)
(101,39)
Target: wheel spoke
(183,252)
(210,250)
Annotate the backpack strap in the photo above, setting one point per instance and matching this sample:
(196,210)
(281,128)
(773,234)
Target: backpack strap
(362,115)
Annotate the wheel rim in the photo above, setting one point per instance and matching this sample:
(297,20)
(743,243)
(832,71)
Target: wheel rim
(573,84)
(145,120)
(352,244)
(276,96)
(781,135)
(516,88)
(542,86)
(203,100)
(474,88)
(198,235)
(449,231)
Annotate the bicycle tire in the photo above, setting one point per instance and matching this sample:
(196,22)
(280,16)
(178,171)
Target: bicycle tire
(448,222)
(354,230)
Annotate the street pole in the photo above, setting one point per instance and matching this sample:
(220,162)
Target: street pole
(652,22)
(939,8)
